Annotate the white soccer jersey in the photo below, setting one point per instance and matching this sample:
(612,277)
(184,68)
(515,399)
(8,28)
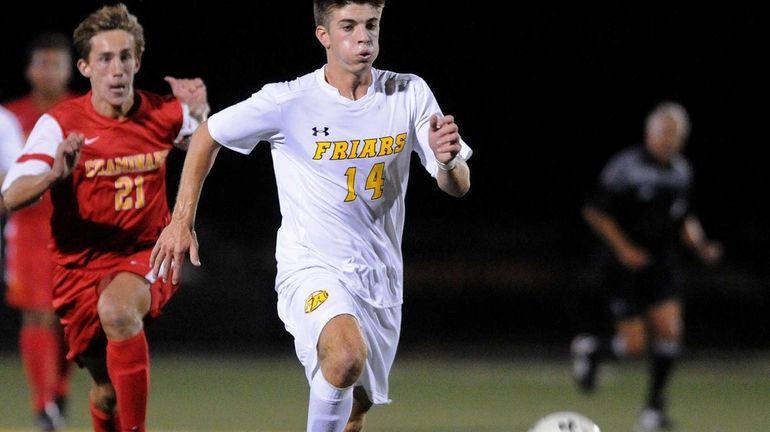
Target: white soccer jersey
(342,168)
(11,140)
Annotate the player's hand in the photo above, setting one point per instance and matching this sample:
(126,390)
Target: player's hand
(67,156)
(710,252)
(444,138)
(633,257)
(169,252)
(191,92)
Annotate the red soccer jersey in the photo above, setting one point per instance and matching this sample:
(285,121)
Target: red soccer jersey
(28,233)
(27,112)
(114,203)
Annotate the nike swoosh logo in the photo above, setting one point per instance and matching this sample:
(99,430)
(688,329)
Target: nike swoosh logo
(90,141)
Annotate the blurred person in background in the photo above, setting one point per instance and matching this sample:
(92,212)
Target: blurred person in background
(28,262)
(102,156)
(641,211)
(11,142)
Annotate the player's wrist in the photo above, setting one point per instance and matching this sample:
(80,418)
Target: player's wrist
(52,177)
(447,166)
(201,112)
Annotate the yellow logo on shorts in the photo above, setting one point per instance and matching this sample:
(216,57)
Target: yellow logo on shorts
(316,298)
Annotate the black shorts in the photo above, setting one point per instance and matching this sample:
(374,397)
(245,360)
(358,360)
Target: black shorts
(633,292)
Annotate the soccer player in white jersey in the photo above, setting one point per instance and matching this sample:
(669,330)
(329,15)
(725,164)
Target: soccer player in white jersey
(11,142)
(341,139)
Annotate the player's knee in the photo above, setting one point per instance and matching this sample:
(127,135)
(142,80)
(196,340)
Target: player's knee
(668,331)
(118,320)
(636,344)
(342,351)
(344,365)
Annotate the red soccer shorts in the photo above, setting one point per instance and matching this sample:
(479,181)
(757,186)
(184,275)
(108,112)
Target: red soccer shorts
(28,264)
(76,293)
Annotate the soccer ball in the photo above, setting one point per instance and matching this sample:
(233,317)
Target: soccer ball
(565,421)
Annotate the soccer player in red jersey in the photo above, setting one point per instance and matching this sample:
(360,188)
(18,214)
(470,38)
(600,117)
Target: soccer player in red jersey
(29,268)
(103,157)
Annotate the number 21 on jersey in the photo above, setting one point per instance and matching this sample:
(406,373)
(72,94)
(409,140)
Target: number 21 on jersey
(129,193)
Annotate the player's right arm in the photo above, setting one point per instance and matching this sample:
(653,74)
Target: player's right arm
(47,159)
(606,227)
(11,142)
(598,212)
(179,238)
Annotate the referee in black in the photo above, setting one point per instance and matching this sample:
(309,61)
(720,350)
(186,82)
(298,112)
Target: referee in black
(641,211)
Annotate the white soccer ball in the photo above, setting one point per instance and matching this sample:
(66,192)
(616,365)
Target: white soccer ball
(565,421)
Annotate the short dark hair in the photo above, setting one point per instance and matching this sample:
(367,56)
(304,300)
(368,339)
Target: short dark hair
(49,40)
(322,8)
(105,19)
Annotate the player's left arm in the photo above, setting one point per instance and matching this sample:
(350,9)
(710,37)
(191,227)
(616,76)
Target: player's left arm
(444,139)
(191,92)
(694,238)
(178,238)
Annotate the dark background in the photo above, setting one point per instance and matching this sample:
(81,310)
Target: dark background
(543,94)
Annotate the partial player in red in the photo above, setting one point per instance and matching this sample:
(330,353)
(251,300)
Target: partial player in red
(103,157)
(29,268)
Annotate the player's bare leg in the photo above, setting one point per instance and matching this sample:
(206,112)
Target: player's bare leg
(342,355)
(589,351)
(342,351)
(631,337)
(361,405)
(666,320)
(122,306)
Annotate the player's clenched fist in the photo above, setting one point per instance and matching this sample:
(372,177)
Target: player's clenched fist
(444,138)
(67,156)
(192,92)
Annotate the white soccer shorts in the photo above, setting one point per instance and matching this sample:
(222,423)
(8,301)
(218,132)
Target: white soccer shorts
(312,297)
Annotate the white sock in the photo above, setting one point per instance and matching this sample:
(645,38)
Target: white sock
(667,348)
(619,346)
(329,407)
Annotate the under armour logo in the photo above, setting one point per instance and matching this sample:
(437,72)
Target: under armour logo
(324,131)
(568,426)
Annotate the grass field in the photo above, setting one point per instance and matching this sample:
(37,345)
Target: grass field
(711,392)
